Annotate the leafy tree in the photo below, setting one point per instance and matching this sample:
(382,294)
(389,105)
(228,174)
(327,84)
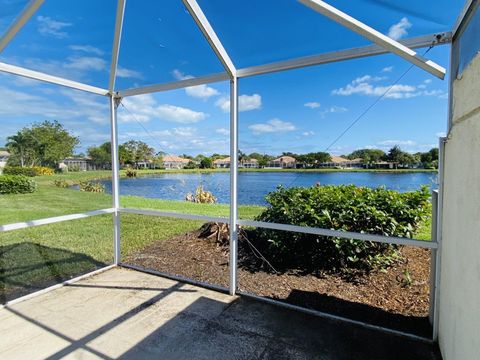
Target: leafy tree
(263,159)
(136,151)
(191,165)
(368,155)
(100,155)
(206,163)
(396,155)
(45,144)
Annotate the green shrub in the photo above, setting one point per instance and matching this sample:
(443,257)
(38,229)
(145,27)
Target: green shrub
(73,168)
(16,184)
(61,183)
(18,170)
(89,186)
(345,208)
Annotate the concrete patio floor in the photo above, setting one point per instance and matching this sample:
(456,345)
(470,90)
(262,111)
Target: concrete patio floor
(128,314)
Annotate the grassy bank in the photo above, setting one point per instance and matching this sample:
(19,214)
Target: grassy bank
(36,257)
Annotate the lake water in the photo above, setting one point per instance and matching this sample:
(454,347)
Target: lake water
(253,186)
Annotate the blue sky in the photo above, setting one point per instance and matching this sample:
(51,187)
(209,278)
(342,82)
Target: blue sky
(300,111)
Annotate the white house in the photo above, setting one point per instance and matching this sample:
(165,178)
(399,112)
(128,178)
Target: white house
(249,164)
(78,163)
(222,163)
(4,155)
(174,162)
(283,162)
(338,161)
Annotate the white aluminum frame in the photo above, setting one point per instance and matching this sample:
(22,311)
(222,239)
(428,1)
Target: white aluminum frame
(375,36)
(383,46)
(116,44)
(56,219)
(19,22)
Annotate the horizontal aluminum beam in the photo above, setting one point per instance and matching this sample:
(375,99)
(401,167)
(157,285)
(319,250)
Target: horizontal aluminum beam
(375,36)
(349,54)
(31,74)
(342,55)
(342,234)
(174,85)
(19,22)
(174,215)
(52,220)
(181,84)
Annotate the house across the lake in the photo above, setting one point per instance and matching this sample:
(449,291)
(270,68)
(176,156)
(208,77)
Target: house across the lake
(341,162)
(244,163)
(222,163)
(173,162)
(4,155)
(77,163)
(383,165)
(249,164)
(283,162)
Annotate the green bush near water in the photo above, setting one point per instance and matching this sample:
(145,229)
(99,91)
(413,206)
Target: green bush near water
(18,170)
(345,208)
(16,184)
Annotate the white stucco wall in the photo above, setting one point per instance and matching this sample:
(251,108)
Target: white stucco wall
(459,299)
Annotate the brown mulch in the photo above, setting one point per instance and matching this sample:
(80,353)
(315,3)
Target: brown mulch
(382,298)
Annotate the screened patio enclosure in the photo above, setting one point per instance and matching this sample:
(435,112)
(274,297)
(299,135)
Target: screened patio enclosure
(216,42)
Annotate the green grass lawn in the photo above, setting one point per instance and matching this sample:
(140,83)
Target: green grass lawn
(36,257)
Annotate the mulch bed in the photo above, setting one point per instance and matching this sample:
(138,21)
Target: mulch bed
(384,298)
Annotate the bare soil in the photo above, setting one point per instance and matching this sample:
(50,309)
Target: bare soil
(397,297)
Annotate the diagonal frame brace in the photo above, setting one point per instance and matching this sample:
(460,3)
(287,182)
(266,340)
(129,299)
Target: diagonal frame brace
(212,38)
(116,43)
(375,36)
(19,22)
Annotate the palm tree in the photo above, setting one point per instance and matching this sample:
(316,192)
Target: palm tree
(18,144)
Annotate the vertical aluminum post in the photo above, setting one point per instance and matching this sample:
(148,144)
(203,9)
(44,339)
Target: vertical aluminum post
(438,255)
(433,257)
(233,183)
(114,102)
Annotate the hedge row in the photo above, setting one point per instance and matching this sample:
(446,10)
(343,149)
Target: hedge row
(28,171)
(16,184)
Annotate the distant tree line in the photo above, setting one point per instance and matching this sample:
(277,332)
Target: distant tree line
(47,143)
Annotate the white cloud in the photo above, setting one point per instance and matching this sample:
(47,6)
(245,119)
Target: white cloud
(48,26)
(272,126)
(87,49)
(363,86)
(441,134)
(387,69)
(308,133)
(312,104)
(245,103)
(399,30)
(397,142)
(86,63)
(144,108)
(333,109)
(127,73)
(223,103)
(199,91)
(223,131)
(179,114)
